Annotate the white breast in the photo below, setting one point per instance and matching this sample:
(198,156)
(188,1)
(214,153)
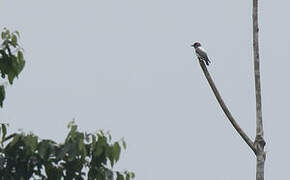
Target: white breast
(201,48)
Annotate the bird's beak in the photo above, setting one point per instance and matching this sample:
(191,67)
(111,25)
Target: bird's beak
(192,45)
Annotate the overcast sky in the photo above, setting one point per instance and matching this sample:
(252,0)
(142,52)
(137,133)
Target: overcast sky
(127,66)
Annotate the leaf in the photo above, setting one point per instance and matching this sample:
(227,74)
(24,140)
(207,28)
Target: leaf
(9,137)
(5,35)
(110,136)
(30,142)
(20,55)
(120,176)
(81,147)
(2,35)
(98,150)
(11,76)
(4,132)
(132,175)
(116,151)
(110,155)
(15,140)
(44,148)
(127,176)
(20,62)
(2,95)
(53,172)
(124,144)
(14,40)
(63,151)
(17,33)
(70,124)
(72,133)
(72,152)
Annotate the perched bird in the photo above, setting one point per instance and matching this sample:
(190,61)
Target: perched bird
(200,53)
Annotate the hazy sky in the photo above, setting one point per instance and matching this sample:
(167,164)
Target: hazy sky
(127,66)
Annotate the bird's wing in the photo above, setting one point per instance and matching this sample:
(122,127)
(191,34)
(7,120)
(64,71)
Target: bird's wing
(201,53)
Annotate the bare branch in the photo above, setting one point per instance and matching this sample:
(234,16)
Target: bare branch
(259,140)
(259,130)
(224,107)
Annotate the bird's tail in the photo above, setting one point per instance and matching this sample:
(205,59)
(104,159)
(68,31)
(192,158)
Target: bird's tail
(207,62)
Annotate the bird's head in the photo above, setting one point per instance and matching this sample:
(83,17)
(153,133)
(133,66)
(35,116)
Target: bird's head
(196,45)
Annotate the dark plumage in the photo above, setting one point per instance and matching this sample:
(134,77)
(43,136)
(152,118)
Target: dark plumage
(201,53)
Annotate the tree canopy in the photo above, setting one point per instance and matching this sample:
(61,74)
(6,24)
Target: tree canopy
(81,156)
(26,156)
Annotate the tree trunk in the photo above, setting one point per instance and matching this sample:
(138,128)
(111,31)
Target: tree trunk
(258,145)
(259,140)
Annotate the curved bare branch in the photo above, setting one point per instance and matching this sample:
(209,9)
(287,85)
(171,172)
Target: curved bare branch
(225,109)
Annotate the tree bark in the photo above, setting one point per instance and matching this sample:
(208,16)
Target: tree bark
(259,140)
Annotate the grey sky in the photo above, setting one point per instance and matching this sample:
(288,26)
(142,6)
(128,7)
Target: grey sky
(127,66)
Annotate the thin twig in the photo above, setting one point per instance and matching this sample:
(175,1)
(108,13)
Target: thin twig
(224,107)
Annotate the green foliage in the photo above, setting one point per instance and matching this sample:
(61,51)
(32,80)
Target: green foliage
(25,156)
(11,59)
(2,95)
(81,156)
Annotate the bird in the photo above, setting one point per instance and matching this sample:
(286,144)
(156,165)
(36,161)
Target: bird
(201,53)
